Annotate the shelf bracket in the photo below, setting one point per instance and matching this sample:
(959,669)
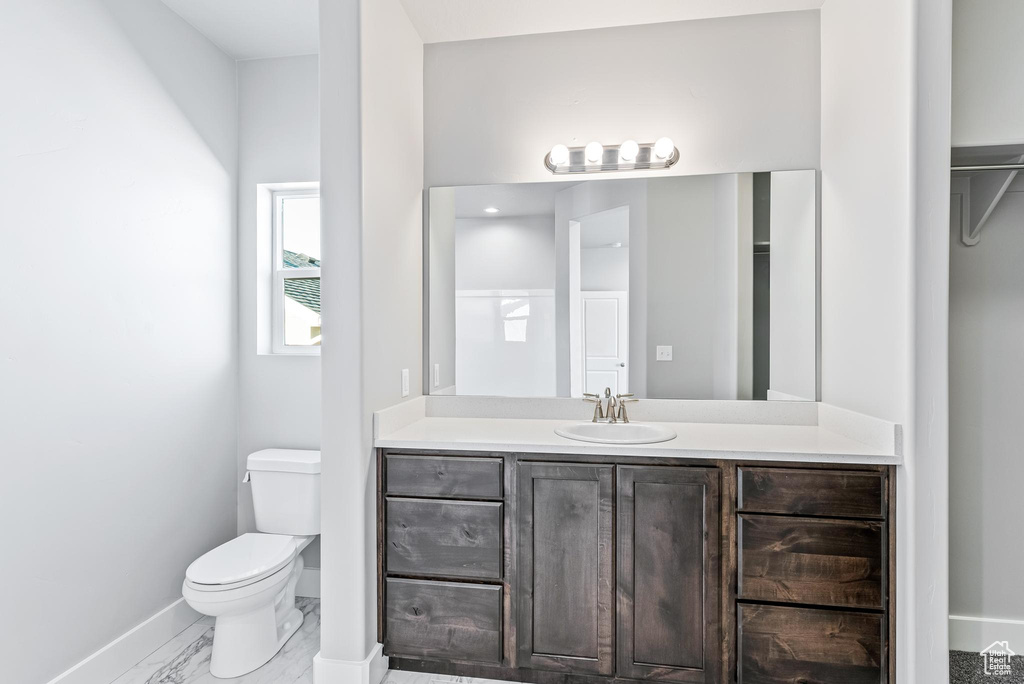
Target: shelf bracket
(976,197)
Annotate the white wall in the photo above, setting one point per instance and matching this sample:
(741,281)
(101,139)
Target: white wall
(278,142)
(928,445)
(986,379)
(371,72)
(680,282)
(885,175)
(493,356)
(508,253)
(985,323)
(865,163)
(441,311)
(735,94)
(604,269)
(988,83)
(585,199)
(794,276)
(117,392)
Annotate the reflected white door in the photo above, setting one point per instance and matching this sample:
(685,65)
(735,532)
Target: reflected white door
(605,341)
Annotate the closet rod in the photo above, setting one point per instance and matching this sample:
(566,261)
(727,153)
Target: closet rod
(989,167)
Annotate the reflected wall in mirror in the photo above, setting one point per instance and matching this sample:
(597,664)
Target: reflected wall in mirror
(684,287)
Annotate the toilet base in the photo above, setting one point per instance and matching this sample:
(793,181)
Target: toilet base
(247,641)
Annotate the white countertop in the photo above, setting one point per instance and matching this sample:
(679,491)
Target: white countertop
(810,443)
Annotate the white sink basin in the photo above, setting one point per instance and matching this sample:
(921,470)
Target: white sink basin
(616,433)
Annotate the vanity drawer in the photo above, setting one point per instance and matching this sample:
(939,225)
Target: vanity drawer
(443,620)
(839,493)
(444,538)
(815,561)
(781,645)
(454,476)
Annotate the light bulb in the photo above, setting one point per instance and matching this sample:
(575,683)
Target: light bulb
(594,152)
(491,210)
(559,155)
(628,150)
(664,148)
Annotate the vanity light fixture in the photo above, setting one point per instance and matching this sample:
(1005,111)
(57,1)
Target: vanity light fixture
(559,154)
(664,148)
(628,156)
(628,151)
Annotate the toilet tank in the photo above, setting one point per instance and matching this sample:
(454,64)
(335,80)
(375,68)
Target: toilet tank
(286,490)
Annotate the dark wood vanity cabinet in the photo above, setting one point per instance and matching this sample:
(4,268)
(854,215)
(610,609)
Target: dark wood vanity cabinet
(814,576)
(558,569)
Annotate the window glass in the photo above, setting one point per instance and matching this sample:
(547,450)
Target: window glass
(300,232)
(302,312)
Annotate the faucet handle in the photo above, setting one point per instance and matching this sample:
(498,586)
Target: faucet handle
(623,400)
(596,400)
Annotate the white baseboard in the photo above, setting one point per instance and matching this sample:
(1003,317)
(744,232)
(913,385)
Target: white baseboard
(369,670)
(121,654)
(973,634)
(309,583)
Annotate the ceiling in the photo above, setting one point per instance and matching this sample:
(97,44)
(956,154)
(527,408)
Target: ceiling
(519,199)
(258,29)
(254,29)
(448,20)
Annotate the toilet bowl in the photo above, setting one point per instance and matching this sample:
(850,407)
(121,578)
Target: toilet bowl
(248,583)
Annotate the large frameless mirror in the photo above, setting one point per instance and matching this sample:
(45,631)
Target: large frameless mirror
(682,287)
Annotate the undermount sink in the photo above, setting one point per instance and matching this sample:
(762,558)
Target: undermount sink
(616,433)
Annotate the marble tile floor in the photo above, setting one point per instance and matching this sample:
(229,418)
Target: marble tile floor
(185,659)
(404,677)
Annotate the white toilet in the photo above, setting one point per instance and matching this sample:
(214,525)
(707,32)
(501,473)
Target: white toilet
(248,584)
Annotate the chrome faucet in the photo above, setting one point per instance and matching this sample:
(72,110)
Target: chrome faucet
(609,414)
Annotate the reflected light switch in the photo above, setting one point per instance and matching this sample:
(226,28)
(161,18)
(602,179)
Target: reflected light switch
(664,353)
(405,382)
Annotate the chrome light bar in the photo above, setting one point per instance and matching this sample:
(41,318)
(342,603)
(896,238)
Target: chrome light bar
(595,157)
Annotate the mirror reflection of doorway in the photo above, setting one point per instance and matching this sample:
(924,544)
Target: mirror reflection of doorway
(599,301)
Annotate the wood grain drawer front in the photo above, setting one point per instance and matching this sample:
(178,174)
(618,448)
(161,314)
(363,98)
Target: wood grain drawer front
(815,561)
(781,645)
(452,476)
(443,620)
(444,538)
(838,493)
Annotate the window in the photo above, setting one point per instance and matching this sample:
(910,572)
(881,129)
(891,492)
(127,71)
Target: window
(296,289)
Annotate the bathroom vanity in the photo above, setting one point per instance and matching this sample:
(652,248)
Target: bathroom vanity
(601,563)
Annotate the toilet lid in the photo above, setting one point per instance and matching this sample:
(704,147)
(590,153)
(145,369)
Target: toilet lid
(248,557)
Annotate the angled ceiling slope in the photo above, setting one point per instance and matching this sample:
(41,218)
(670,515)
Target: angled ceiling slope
(439,21)
(254,29)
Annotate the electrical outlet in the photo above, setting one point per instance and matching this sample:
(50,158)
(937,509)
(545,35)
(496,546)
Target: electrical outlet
(405,382)
(437,375)
(664,353)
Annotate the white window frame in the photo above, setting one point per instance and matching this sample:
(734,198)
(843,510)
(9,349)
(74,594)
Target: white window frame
(280,273)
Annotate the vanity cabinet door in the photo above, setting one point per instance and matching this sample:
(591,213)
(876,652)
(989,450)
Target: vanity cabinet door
(668,574)
(565,589)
